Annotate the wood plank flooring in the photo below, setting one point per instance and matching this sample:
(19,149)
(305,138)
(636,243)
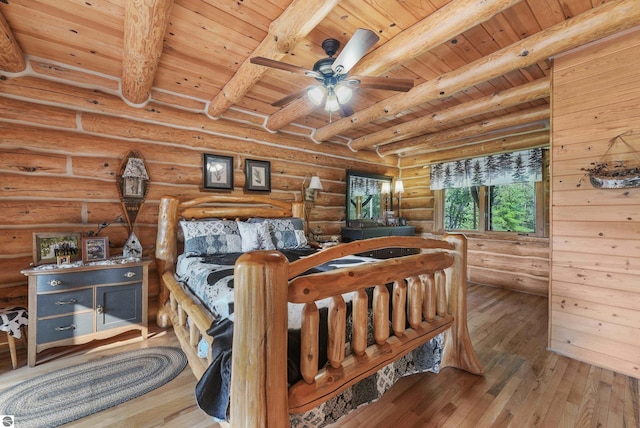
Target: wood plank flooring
(524,386)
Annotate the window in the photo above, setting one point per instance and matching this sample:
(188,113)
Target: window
(497,193)
(462,210)
(512,208)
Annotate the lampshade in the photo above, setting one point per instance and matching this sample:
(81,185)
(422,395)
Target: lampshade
(386,188)
(399,186)
(315,183)
(343,93)
(332,102)
(316,94)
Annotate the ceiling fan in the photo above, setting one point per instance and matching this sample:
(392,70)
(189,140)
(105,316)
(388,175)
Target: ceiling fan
(335,87)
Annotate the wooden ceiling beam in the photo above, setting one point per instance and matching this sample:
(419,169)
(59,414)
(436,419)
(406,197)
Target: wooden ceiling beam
(145,24)
(442,140)
(11,57)
(445,23)
(295,23)
(591,25)
(491,145)
(537,89)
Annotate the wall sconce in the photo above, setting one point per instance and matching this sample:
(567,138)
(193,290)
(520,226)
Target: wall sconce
(385,191)
(309,197)
(310,191)
(399,190)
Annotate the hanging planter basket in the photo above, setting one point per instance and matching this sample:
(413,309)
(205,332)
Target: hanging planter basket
(614,174)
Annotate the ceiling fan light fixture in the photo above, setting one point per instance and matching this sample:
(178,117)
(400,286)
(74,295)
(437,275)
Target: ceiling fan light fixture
(316,94)
(344,93)
(332,103)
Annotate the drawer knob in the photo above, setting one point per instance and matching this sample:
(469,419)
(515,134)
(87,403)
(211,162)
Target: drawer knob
(130,274)
(69,327)
(66,302)
(100,309)
(55,282)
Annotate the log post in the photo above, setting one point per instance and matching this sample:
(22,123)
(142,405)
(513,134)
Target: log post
(458,349)
(145,24)
(259,361)
(166,252)
(11,57)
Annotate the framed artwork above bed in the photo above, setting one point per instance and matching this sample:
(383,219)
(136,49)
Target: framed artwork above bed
(258,175)
(217,172)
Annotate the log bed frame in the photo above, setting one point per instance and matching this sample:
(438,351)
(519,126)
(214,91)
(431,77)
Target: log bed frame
(432,300)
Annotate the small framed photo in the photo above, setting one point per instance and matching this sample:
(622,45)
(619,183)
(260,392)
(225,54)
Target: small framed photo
(217,172)
(132,187)
(47,247)
(95,249)
(63,260)
(258,175)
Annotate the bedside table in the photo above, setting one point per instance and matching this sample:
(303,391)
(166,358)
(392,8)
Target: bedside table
(75,305)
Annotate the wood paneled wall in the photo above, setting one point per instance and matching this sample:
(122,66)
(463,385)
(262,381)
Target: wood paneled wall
(595,278)
(61,146)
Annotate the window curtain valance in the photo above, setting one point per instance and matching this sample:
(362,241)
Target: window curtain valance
(505,168)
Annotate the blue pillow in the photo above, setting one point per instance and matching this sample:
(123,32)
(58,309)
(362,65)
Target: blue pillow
(205,238)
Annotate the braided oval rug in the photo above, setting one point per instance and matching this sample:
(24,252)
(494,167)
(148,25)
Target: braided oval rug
(74,392)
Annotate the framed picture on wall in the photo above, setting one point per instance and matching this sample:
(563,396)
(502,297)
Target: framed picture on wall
(47,247)
(258,175)
(217,172)
(95,249)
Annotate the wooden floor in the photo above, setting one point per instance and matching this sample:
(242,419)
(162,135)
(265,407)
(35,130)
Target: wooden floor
(524,385)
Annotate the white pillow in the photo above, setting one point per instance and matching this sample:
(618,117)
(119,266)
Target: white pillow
(255,236)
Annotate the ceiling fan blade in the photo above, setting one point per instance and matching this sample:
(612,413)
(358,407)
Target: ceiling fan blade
(386,83)
(361,41)
(259,60)
(346,110)
(290,97)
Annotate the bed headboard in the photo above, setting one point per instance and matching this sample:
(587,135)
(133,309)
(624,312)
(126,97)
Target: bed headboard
(172,210)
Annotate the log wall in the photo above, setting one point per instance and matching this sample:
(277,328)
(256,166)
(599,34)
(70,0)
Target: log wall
(595,272)
(61,146)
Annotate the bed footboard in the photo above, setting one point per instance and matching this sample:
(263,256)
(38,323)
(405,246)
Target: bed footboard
(428,295)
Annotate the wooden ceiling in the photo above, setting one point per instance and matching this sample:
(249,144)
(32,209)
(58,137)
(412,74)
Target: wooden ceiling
(480,68)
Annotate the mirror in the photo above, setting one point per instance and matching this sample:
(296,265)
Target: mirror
(368,196)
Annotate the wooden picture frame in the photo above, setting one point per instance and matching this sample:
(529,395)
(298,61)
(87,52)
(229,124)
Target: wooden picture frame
(217,172)
(257,175)
(95,249)
(48,246)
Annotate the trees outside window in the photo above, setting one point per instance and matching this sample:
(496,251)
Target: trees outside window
(502,208)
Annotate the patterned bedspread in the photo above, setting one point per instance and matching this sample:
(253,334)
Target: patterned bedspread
(211,279)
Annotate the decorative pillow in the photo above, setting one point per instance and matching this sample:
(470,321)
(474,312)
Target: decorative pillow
(255,236)
(205,238)
(286,233)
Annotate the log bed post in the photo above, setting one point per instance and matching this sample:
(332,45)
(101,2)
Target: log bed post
(166,252)
(259,359)
(458,349)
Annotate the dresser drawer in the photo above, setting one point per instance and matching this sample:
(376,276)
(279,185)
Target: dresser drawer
(65,280)
(64,327)
(65,303)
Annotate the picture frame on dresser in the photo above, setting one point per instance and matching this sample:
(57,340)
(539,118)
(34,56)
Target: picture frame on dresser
(217,172)
(95,249)
(47,246)
(257,175)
